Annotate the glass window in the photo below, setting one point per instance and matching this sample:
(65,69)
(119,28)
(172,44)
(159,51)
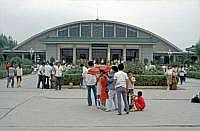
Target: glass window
(82,54)
(99,55)
(85,30)
(74,30)
(63,32)
(67,54)
(108,30)
(120,31)
(131,32)
(116,54)
(97,30)
(132,54)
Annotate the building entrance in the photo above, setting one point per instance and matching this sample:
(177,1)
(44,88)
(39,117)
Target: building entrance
(99,55)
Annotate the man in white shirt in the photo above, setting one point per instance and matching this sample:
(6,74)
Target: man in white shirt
(58,74)
(47,74)
(41,78)
(91,83)
(121,86)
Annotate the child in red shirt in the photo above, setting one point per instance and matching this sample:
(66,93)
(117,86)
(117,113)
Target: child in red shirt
(139,103)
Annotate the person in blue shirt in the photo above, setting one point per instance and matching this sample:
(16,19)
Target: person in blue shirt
(112,98)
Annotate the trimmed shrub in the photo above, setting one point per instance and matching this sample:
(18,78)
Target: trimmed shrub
(150,80)
(74,71)
(74,78)
(141,80)
(193,74)
(15,60)
(2,74)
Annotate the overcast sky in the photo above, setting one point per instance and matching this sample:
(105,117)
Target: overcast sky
(175,20)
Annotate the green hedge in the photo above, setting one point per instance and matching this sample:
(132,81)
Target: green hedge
(75,78)
(2,74)
(141,80)
(194,74)
(150,80)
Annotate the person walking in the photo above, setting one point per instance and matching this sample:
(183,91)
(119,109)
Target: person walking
(41,71)
(91,83)
(11,74)
(47,73)
(121,85)
(58,74)
(53,78)
(103,79)
(19,73)
(7,66)
(181,74)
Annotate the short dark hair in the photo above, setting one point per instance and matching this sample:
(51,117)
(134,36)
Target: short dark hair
(101,71)
(115,68)
(121,66)
(139,93)
(81,65)
(91,63)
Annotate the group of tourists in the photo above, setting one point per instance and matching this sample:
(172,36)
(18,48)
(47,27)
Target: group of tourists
(110,87)
(174,74)
(11,72)
(50,75)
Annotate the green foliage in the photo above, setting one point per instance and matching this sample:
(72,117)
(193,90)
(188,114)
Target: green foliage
(52,60)
(1,60)
(74,78)
(194,74)
(26,62)
(2,74)
(139,69)
(7,42)
(74,71)
(141,80)
(197,46)
(150,80)
(135,68)
(15,60)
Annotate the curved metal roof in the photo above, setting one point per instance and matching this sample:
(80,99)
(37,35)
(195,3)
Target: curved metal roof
(93,21)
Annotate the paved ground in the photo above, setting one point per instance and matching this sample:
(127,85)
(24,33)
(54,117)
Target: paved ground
(31,109)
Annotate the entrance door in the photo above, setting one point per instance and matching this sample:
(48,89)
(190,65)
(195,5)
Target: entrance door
(116,54)
(99,55)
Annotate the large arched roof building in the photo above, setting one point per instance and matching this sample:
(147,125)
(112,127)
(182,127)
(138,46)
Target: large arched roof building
(99,40)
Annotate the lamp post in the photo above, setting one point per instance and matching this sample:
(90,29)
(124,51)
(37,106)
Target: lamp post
(31,53)
(169,54)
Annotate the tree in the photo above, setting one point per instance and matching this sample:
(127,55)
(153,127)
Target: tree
(7,42)
(197,46)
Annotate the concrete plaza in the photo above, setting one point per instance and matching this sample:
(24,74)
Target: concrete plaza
(31,109)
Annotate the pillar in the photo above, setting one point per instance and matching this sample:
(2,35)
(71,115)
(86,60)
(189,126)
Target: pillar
(90,53)
(124,54)
(74,55)
(108,55)
(22,56)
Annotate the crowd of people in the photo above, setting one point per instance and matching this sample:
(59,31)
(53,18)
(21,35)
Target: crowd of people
(110,87)
(11,72)
(173,75)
